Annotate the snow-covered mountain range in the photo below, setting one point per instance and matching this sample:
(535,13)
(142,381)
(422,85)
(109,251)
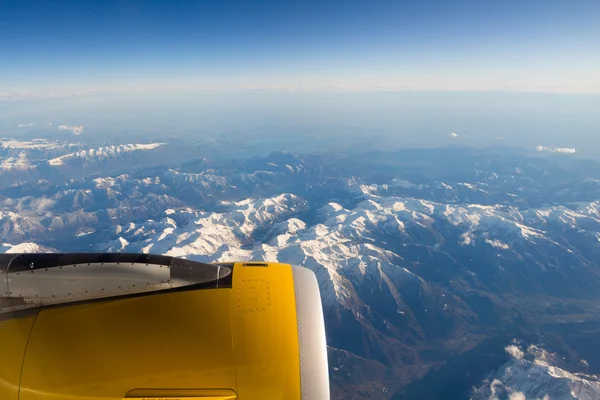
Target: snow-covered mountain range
(421,255)
(533,373)
(30,160)
(100,154)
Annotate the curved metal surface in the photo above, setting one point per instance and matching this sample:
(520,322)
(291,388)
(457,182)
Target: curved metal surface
(314,369)
(35,280)
(261,338)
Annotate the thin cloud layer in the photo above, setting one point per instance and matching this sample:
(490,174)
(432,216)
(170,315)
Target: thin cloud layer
(77,130)
(564,150)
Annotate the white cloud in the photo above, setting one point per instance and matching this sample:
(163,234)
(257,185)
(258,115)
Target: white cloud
(453,135)
(564,150)
(497,244)
(514,351)
(77,130)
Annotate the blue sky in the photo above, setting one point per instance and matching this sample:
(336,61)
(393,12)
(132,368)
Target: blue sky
(516,45)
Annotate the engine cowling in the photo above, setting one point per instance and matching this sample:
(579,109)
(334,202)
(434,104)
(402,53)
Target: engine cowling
(113,326)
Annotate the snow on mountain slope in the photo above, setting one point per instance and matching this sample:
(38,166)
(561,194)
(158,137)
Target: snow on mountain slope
(71,211)
(26,247)
(19,162)
(22,155)
(206,179)
(214,236)
(15,226)
(349,239)
(102,153)
(38,144)
(25,161)
(533,374)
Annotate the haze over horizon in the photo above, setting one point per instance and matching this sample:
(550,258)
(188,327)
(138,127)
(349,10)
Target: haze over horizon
(305,74)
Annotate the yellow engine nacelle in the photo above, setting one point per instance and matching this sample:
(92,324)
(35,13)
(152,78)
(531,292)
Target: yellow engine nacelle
(119,326)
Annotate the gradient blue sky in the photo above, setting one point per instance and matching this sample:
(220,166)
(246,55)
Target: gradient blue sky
(517,45)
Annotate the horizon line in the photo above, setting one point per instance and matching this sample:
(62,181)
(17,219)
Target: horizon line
(21,95)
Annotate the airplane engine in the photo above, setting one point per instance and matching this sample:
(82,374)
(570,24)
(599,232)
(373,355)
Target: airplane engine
(111,326)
